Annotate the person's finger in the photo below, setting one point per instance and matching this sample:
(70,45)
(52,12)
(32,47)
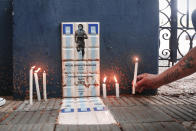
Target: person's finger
(141,89)
(137,89)
(140,83)
(141,76)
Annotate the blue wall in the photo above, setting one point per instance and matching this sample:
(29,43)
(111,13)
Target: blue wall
(128,28)
(5,47)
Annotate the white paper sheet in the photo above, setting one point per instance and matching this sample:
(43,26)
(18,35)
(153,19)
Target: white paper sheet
(94,112)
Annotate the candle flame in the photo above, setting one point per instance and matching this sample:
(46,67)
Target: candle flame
(44,71)
(136,59)
(105,78)
(37,70)
(115,79)
(33,67)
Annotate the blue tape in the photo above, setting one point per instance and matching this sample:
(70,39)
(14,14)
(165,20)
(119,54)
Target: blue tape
(99,108)
(68,25)
(67,110)
(83,107)
(84,110)
(89,28)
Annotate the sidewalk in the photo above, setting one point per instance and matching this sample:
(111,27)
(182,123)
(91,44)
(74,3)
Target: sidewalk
(130,112)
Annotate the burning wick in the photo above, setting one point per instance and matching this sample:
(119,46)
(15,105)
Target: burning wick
(31,85)
(104,87)
(117,86)
(135,75)
(136,59)
(37,84)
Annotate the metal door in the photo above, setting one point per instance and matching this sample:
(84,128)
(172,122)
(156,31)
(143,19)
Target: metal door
(177,35)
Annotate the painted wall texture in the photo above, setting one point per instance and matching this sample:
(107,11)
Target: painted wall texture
(5,47)
(128,28)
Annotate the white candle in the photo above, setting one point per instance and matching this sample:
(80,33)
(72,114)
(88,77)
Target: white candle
(117,87)
(37,84)
(104,88)
(44,86)
(31,85)
(135,75)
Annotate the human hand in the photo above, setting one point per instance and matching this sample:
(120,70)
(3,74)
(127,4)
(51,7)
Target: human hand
(147,81)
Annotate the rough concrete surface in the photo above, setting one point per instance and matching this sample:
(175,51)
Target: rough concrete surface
(184,87)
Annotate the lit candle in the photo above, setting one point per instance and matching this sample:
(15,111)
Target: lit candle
(104,88)
(37,84)
(44,86)
(117,86)
(135,75)
(31,85)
